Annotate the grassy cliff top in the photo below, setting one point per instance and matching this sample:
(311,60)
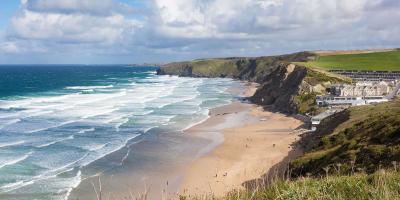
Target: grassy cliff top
(386,61)
(362,138)
(246,68)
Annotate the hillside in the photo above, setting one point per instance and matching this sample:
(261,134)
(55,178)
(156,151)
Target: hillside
(359,139)
(382,185)
(285,86)
(385,61)
(243,68)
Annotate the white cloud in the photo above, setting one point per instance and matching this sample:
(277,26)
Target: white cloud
(73,28)
(236,17)
(65,23)
(202,28)
(9,47)
(273,25)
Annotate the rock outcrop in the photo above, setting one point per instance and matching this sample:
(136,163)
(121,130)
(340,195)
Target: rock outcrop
(281,87)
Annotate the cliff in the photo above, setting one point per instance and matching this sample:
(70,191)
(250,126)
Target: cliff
(285,86)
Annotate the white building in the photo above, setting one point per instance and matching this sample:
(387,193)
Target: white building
(362,88)
(329,100)
(375,99)
(335,101)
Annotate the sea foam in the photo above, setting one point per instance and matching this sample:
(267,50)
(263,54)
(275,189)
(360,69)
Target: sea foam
(83,124)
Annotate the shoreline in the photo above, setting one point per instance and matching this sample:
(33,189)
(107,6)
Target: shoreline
(252,141)
(152,162)
(174,164)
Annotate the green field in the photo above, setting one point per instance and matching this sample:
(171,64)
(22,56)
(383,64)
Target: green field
(385,61)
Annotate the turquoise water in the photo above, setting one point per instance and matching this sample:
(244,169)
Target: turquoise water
(55,120)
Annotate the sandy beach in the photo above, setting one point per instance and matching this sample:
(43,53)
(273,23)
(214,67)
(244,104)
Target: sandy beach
(252,142)
(237,143)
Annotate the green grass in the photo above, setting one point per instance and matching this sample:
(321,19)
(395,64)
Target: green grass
(214,66)
(363,138)
(382,185)
(385,61)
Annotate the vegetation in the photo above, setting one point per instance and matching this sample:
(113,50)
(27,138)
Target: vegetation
(382,185)
(361,139)
(214,66)
(315,77)
(246,68)
(319,81)
(306,104)
(386,61)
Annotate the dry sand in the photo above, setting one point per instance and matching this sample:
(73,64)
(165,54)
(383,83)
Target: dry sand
(252,141)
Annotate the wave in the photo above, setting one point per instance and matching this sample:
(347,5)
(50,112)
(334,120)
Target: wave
(11,122)
(196,123)
(114,114)
(97,147)
(118,125)
(50,127)
(74,184)
(15,161)
(86,130)
(115,148)
(89,87)
(49,174)
(55,142)
(13,186)
(2,145)
(148,129)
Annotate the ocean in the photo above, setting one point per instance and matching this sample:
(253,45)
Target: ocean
(56,120)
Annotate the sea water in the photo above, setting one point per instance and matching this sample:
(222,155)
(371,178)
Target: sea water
(57,119)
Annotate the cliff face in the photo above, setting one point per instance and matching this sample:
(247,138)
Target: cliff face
(281,87)
(281,82)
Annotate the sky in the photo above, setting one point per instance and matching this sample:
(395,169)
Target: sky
(155,31)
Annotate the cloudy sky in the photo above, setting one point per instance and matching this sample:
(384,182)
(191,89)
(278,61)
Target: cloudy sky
(136,31)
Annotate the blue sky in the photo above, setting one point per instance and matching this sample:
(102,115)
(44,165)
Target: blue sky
(7,9)
(136,31)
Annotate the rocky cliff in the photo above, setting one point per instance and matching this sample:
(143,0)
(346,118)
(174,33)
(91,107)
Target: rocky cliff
(285,86)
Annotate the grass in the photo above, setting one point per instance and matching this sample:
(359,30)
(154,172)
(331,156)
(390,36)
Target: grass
(364,138)
(214,66)
(381,185)
(385,61)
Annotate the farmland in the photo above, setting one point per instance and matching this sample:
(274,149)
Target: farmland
(378,61)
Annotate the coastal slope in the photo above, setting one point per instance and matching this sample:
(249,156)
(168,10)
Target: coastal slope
(284,85)
(358,139)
